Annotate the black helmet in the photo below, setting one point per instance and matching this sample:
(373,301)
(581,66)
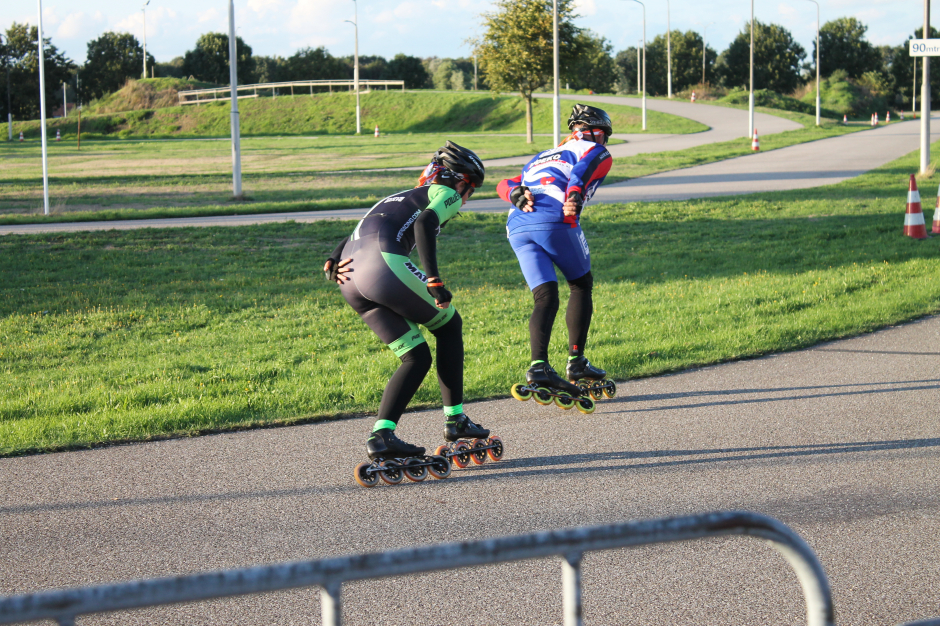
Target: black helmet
(462,161)
(592,116)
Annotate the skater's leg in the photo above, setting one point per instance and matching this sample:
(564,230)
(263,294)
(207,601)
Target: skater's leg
(403,385)
(542,320)
(578,315)
(450,364)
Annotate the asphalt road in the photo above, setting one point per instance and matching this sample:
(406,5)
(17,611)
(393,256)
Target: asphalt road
(841,442)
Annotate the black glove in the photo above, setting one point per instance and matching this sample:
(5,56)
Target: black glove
(333,271)
(438,291)
(517,196)
(577,199)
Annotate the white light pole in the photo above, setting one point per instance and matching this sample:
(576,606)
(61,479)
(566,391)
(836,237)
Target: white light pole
(233,83)
(925,99)
(639,72)
(42,119)
(143,10)
(750,104)
(355,23)
(817,60)
(556,98)
(668,53)
(644,61)
(704,47)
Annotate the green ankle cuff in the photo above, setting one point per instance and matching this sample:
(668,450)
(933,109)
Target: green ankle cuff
(380,424)
(451,411)
(534,363)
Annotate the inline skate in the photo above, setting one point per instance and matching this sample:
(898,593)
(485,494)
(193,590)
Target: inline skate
(592,380)
(462,453)
(393,460)
(545,385)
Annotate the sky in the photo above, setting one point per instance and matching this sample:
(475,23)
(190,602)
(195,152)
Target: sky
(429,27)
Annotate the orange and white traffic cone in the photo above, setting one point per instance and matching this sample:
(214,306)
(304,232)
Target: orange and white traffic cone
(845,119)
(914,216)
(902,115)
(21,136)
(876,119)
(376,131)
(693,97)
(755,143)
(936,215)
(872,119)
(888,117)
(58,136)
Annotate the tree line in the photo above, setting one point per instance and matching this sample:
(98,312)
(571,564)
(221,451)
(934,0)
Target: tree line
(514,54)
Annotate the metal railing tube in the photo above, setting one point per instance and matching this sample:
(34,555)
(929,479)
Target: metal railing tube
(571,589)
(331,573)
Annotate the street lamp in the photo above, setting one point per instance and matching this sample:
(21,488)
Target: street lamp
(42,119)
(704,47)
(750,100)
(355,23)
(925,98)
(644,61)
(233,86)
(668,54)
(817,60)
(143,10)
(556,98)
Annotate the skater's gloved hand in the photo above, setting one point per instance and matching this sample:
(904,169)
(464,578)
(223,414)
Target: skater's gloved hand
(441,296)
(523,199)
(573,204)
(336,270)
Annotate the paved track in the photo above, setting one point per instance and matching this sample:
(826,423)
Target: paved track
(841,442)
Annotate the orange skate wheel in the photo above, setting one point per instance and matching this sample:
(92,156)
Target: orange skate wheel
(462,457)
(391,473)
(440,467)
(364,478)
(478,456)
(495,453)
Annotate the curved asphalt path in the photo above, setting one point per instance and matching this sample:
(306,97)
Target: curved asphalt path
(841,442)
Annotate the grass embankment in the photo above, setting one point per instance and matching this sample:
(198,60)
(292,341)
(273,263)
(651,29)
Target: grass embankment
(148,93)
(335,114)
(124,180)
(138,334)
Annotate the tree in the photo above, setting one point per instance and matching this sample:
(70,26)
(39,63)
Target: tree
(626,61)
(370,67)
(516,50)
(172,69)
(209,60)
(593,68)
(442,74)
(777,59)
(409,69)
(843,46)
(686,62)
(901,70)
(21,53)
(313,64)
(112,58)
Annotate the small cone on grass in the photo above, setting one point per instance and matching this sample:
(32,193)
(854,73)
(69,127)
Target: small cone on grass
(914,217)
(936,215)
(845,119)
(376,131)
(58,136)
(21,135)
(755,143)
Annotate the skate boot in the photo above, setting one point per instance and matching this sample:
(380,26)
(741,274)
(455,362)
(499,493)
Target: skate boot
(590,379)
(394,460)
(546,386)
(462,453)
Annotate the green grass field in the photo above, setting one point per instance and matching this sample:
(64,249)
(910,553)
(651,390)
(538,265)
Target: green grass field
(132,335)
(177,178)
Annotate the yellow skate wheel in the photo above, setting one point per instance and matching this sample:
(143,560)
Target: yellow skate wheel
(391,473)
(610,389)
(586,405)
(596,391)
(564,403)
(415,471)
(462,457)
(440,467)
(543,396)
(519,392)
(495,453)
(365,478)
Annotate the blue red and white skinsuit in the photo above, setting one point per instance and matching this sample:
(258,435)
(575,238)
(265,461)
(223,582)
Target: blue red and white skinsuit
(546,237)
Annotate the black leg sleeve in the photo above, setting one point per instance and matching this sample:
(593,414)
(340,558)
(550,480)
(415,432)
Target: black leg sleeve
(450,360)
(542,320)
(578,315)
(405,382)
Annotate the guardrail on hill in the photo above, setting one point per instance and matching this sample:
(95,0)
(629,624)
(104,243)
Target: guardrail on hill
(199,96)
(330,574)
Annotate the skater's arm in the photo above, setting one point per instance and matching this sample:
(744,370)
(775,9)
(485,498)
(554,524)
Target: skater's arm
(512,190)
(586,176)
(426,228)
(334,269)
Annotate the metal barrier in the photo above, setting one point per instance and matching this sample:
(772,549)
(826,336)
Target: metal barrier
(220,94)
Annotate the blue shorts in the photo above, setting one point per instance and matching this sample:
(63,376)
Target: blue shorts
(539,251)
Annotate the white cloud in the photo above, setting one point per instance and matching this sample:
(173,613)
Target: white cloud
(786,10)
(263,7)
(585,7)
(74,25)
(208,16)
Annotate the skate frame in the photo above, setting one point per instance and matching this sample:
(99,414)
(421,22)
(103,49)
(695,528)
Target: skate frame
(330,574)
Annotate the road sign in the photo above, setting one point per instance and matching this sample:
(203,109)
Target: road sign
(924,47)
